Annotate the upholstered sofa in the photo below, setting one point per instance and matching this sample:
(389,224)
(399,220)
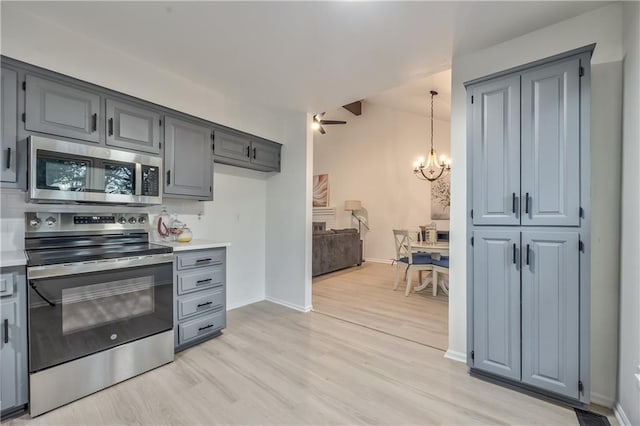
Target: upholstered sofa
(335,249)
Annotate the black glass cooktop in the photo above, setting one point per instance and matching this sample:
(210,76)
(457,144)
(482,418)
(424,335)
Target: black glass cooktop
(52,256)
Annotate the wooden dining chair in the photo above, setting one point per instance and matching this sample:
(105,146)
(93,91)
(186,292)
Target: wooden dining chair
(440,265)
(411,261)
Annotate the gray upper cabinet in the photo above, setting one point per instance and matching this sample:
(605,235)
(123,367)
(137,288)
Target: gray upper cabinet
(9,125)
(133,127)
(496,302)
(232,146)
(495,139)
(188,159)
(246,151)
(13,340)
(266,154)
(550,311)
(551,145)
(62,110)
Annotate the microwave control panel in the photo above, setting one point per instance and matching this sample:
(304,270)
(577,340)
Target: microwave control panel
(150,181)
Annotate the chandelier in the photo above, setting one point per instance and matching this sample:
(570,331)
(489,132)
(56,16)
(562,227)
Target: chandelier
(434,167)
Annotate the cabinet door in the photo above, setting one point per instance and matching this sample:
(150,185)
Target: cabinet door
(8,353)
(265,154)
(9,124)
(131,127)
(496,302)
(232,146)
(61,110)
(550,311)
(495,138)
(188,159)
(551,145)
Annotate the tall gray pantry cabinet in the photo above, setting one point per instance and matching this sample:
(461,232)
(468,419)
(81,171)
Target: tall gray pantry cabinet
(529,220)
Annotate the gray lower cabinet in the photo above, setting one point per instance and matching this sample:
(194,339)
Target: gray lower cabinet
(188,160)
(9,125)
(59,109)
(13,343)
(551,311)
(133,127)
(251,152)
(200,296)
(526,307)
(496,302)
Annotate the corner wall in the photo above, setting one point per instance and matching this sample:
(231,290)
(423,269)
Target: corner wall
(628,408)
(289,198)
(602,26)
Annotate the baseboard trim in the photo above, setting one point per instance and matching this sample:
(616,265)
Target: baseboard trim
(289,305)
(244,303)
(602,400)
(456,356)
(374,260)
(621,417)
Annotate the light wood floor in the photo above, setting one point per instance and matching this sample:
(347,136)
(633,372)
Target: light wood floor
(364,295)
(278,366)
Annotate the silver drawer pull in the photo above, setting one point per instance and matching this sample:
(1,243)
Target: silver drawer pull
(208,280)
(205,327)
(200,305)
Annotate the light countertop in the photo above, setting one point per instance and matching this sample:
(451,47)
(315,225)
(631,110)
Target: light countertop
(12,258)
(195,244)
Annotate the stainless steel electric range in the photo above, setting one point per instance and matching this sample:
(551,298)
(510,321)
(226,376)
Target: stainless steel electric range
(100,303)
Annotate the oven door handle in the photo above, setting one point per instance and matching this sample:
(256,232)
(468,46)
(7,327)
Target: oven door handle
(48,271)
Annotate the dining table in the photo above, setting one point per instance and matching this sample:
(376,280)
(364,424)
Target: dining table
(441,248)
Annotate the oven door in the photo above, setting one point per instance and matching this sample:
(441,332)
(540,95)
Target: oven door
(71,316)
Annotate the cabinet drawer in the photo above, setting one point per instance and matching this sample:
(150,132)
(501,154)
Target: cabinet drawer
(201,258)
(201,302)
(7,283)
(201,327)
(201,279)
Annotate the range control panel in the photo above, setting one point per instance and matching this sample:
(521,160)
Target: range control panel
(93,219)
(38,222)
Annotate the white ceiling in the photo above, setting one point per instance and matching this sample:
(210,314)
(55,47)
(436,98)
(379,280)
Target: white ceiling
(414,96)
(308,56)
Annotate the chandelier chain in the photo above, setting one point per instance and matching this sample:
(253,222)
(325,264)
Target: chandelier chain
(431,121)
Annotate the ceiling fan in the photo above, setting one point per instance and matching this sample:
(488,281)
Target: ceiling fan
(318,122)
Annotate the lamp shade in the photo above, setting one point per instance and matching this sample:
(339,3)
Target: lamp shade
(353,205)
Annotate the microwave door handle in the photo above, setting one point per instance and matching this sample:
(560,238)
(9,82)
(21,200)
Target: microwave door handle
(138,179)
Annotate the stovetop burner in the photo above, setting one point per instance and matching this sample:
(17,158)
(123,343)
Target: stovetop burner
(60,238)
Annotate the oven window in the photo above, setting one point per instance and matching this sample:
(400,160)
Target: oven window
(91,306)
(62,174)
(119,178)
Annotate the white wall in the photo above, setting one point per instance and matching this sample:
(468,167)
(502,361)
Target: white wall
(289,219)
(239,210)
(371,159)
(629,368)
(602,26)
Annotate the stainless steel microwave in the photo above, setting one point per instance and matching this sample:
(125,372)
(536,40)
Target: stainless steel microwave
(68,172)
